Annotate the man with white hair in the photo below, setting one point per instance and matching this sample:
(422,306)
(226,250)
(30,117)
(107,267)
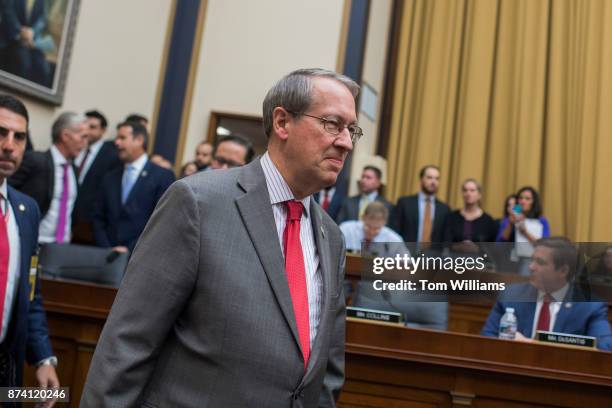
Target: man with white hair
(50,178)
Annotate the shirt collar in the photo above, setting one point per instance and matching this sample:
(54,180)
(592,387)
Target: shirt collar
(423,196)
(139,163)
(4,196)
(372,196)
(4,189)
(278,188)
(58,158)
(96,145)
(558,296)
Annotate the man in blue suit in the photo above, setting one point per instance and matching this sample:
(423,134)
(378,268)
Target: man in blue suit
(129,193)
(23,324)
(549,302)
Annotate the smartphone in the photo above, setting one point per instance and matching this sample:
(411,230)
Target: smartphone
(517,209)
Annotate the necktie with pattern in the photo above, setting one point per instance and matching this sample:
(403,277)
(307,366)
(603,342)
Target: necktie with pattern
(296,274)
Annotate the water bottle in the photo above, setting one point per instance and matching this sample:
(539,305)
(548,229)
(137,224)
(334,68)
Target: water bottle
(507,325)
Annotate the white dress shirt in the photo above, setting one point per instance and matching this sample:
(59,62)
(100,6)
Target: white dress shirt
(48,225)
(138,164)
(354,235)
(94,149)
(280,192)
(553,308)
(14,258)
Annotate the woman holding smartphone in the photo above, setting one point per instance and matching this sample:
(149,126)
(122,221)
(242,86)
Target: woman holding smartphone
(525,225)
(524,218)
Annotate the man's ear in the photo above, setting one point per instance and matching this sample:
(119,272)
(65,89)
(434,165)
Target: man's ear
(141,138)
(63,138)
(281,122)
(564,271)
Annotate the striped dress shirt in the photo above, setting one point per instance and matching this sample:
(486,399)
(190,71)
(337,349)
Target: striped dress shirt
(280,192)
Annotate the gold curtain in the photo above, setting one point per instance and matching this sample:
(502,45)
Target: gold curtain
(512,93)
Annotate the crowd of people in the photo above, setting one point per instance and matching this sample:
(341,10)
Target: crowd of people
(278,253)
(423,218)
(101,192)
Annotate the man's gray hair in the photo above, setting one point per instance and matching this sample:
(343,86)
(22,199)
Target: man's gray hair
(376,209)
(294,93)
(67,120)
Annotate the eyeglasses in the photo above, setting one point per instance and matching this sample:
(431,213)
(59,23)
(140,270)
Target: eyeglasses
(334,127)
(226,162)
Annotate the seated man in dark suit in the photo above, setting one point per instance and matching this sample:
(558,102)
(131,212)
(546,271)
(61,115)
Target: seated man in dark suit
(129,193)
(549,302)
(23,324)
(369,186)
(50,179)
(422,217)
(92,164)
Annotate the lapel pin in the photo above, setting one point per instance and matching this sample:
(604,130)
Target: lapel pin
(21,207)
(323,231)
(568,305)
(144,173)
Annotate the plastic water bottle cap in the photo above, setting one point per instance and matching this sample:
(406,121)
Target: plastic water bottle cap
(509,310)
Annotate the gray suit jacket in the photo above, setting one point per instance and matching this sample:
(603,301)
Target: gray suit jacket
(204,316)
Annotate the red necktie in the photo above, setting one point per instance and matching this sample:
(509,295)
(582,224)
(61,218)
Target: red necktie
(544,318)
(4,255)
(325,203)
(296,274)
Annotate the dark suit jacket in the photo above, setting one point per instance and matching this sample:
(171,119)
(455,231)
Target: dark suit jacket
(350,208)
(204,314)
(334,204)
(574,317)
(106,160)
(27,337)
(405,219)
(36,178)
(121,224)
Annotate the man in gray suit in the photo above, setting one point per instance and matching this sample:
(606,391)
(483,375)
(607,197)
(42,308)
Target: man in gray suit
(233,296)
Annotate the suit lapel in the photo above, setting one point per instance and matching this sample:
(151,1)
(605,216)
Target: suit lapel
(50,177)
(437,217)
(20,210)
(258,218)
(354,208)
(528,313)
(564,313)
(525,309)
(116,188)
(322,243)
(139,182)
(414,213)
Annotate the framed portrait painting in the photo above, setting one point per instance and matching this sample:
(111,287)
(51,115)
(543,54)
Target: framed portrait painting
(35,41)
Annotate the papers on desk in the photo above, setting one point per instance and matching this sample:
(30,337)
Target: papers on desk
(523,246)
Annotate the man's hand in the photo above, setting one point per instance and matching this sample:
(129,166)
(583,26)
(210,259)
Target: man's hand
(27,37)
(120,249)
(519,337)
(47,378)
